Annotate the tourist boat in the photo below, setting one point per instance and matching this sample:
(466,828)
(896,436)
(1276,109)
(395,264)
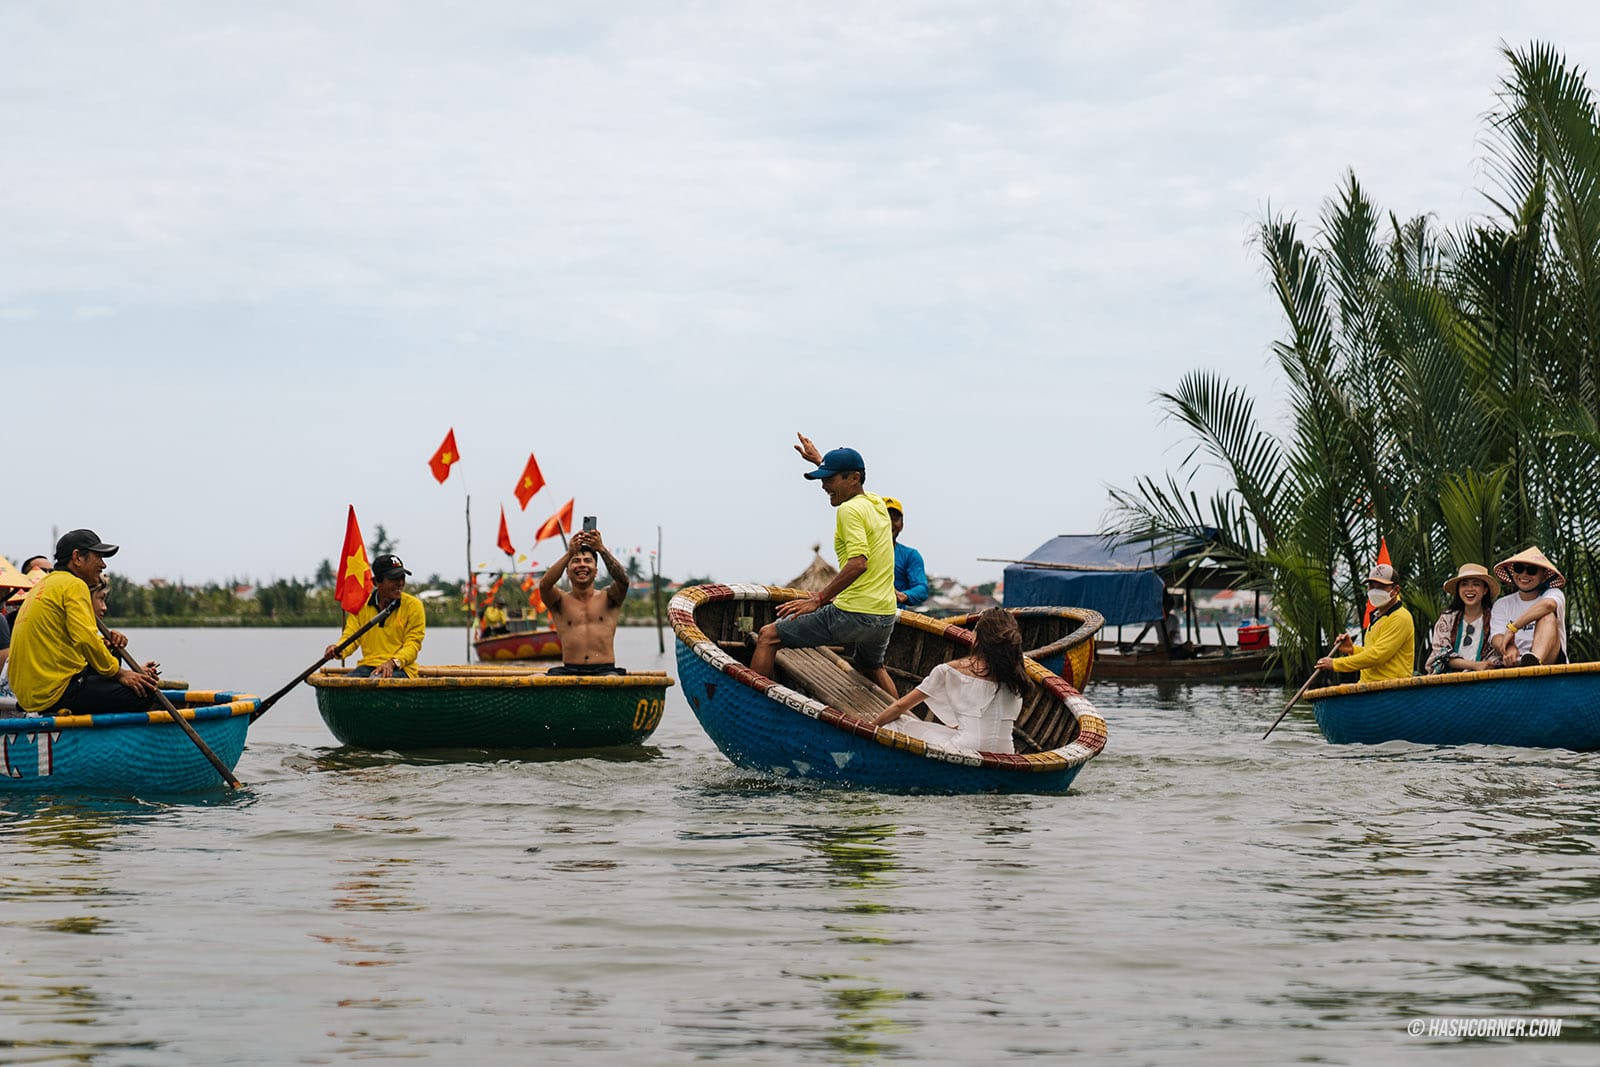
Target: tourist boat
(1126,586)
(143,753)
(523,640)
(1554,706)
(814,722)
(490,707)
(1061,639)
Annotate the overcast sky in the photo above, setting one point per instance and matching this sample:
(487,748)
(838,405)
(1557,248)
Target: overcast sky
(259,258)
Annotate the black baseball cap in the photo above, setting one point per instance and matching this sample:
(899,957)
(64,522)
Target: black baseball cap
(385,566)
(81,541)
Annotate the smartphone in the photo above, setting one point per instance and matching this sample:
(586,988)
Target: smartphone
(588,522)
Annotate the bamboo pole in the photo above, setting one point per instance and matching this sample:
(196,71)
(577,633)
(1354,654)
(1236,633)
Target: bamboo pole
(466,585)
(661,633)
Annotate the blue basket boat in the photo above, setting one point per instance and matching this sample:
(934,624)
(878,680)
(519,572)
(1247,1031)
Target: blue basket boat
(777,729)
(1530,707)
(138,752)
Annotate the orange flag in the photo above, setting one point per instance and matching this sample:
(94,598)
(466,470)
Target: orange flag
(505,535)
(530,483)
(445,458)
(355,574)
(1383,557)
(535,601)
(559,523)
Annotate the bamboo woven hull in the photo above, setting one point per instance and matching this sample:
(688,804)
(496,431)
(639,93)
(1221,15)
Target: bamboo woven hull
(481,711)
(135,753)
(536,644)
(1060,638)
(766,727)
(1529,707)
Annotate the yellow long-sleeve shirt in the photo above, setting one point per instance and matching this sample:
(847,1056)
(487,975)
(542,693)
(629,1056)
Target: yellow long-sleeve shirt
(56,638)
(399,637)
(1390,649)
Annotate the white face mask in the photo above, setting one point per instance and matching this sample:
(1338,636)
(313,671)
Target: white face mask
(1378,597)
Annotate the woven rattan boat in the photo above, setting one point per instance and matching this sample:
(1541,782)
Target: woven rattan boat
(1061,639)
(128,753)
(1529,707)
(490,707)
(814,722)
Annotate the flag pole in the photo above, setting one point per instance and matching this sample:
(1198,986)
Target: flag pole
(661,634)
(466,583)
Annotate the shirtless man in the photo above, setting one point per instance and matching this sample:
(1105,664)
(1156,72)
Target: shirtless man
(585,618)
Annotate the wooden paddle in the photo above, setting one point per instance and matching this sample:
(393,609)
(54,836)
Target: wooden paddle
(205,749)
(1298,695)
(338,653)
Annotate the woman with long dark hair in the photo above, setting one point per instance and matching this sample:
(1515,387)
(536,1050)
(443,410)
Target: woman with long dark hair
(1461,634)
(974,700)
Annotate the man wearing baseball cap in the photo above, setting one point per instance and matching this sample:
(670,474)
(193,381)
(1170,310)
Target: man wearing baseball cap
(857,608)
(59,660)
(392,646)
(1390,650)
(910,576)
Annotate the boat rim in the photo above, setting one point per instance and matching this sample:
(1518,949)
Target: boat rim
(1418,681)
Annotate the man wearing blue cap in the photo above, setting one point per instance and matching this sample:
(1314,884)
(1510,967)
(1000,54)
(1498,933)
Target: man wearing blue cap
(857,607)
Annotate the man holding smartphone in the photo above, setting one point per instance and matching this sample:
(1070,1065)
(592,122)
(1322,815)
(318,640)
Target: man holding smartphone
(585,618)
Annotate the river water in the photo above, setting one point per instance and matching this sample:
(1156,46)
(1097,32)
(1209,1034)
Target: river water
(1200,897)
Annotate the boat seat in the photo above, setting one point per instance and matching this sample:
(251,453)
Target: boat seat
(823,675)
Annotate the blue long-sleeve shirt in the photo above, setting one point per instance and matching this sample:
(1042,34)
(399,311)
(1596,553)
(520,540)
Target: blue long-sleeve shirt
(909,576)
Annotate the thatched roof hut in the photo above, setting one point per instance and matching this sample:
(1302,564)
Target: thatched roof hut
(816,576)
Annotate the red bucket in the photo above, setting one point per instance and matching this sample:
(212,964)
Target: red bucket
(1252,637)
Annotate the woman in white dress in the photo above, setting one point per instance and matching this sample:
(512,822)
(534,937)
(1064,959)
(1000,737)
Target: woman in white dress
(975,700)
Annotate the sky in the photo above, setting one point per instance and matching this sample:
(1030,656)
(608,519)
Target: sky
(258,259)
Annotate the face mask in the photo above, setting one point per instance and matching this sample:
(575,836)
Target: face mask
(1378,597)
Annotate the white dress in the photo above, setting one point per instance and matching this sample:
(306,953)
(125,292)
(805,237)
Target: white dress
(977,713)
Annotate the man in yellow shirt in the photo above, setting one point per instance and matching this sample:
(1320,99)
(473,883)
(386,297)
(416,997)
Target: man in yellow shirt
(59,661)
(1390,648)
(858,606)
(392,646)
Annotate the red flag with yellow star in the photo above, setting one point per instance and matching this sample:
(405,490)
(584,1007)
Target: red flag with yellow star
(445,458)
(504,541)
(530,483)
(354,585)
(559,523)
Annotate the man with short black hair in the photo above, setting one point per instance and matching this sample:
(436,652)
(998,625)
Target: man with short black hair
(857,608)
(585,618)
(59,660)
(392,646)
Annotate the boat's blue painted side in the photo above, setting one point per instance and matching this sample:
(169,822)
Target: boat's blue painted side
(128,753)
(1529,707)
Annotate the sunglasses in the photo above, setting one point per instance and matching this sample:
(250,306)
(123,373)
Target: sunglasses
(1526,568)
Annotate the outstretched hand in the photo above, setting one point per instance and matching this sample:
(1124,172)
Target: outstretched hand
(807,450)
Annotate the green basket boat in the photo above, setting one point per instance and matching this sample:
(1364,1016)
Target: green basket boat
(487,707)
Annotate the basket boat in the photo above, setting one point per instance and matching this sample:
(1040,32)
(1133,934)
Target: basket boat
(128,752)
(779,729)
(518,645)
(1060,638)
(1555,706)
(488,707)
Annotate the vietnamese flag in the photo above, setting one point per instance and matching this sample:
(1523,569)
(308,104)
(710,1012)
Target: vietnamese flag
(355,574)
(1383,557)
(445,458)
(559,523)
(531,482)
(505,535)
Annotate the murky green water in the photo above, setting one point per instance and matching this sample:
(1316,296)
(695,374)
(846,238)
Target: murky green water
(1200,897)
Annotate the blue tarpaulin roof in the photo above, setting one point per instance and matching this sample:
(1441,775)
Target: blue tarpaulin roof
(1121,583)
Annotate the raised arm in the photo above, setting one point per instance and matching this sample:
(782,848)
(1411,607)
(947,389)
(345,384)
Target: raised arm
(617,591)
(547,585)
(807,450)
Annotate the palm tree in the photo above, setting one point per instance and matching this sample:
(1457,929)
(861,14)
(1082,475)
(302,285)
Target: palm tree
(1443,389)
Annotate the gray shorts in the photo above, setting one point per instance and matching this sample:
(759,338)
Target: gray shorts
(828,625)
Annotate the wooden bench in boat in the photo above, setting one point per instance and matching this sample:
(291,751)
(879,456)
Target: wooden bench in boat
(824,675)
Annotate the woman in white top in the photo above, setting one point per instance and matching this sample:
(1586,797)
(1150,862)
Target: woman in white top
(1461,634)
(1529,627)
(975,699)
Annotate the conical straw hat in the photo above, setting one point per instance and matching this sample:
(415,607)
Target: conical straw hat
(1531,554)
(11,578)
